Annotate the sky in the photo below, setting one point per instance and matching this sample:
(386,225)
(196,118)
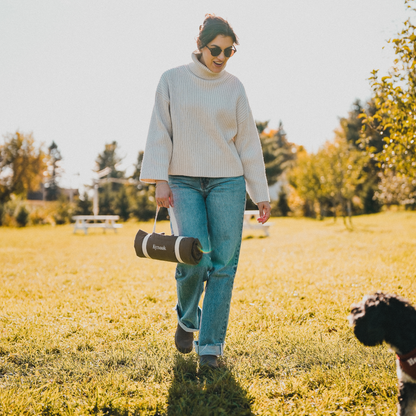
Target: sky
(83,73)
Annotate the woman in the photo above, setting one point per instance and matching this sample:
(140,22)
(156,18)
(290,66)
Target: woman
(201,151)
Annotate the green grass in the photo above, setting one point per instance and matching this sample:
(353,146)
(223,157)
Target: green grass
(87,328)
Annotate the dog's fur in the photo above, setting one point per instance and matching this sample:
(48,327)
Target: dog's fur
(390,318)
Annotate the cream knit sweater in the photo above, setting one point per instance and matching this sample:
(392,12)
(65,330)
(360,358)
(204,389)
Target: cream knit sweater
(202,126)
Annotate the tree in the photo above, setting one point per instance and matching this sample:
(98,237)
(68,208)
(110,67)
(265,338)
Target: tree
(142,200)
(278,153)
(144,205)
(108,189)
(109,158)
(21,165)
(54,172)
(332,176)
(396,190)
(83,206)
(138,169)
(107,200)
(122,205)
(282,203)
(262,125)
(353,124)
(343,169)
(395,104)
(306,178)
(351,129)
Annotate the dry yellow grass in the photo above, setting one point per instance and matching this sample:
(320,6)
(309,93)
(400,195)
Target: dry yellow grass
(87,328)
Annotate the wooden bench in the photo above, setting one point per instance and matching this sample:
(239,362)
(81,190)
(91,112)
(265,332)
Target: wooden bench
(96,221)
(247,225)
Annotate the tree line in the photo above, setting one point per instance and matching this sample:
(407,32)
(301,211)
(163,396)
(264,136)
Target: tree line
(346,176)
(370,162)
(29,170)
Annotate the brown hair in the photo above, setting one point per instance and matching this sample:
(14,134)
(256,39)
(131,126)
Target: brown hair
(211,28)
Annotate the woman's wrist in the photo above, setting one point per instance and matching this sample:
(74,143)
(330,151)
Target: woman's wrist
(158,182)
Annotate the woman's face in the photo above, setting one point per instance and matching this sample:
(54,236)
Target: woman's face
(216,63)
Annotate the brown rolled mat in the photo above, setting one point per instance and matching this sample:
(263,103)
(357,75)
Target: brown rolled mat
(187,250)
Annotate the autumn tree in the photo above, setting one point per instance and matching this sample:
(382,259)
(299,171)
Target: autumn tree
(309,182)
(343,168)
(395,104)
(22,165)
(331,177)
(396,190)
(350,128)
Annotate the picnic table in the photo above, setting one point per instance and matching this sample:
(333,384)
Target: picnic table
(247,225)
(96,221)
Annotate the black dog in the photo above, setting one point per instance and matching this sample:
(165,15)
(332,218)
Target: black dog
(391,318)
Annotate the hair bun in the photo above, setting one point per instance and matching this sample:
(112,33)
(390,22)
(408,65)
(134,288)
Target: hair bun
(212,27)
(210,18)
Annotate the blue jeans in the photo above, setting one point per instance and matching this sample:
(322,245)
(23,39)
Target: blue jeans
(212,210)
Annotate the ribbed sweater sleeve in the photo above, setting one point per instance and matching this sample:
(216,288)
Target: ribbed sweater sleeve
(247,143)
(158,151)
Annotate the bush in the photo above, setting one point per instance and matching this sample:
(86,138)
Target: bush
(1,214)
(38,216)
(106,201)
(22,216)
(145,207)
(371,204)
(283,204)
(42,212)
(19,213)
(10,210)
(280,207)
(83,206)
(122,204)
(63,213)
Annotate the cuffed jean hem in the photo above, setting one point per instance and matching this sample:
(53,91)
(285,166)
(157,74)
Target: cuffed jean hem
(184,327)
(211,349)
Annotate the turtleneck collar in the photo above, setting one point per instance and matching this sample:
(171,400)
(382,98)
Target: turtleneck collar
(201,71)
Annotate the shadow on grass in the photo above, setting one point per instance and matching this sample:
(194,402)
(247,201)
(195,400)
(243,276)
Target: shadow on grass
(207,392)
(249,237)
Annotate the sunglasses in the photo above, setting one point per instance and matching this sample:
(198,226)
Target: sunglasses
(228,52)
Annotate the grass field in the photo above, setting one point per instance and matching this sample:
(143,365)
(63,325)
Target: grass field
(87,328)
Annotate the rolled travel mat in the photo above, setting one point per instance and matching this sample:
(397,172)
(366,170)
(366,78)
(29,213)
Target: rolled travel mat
(173,248)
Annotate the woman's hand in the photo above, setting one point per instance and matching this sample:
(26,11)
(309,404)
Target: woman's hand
(164,196)
(264,209)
